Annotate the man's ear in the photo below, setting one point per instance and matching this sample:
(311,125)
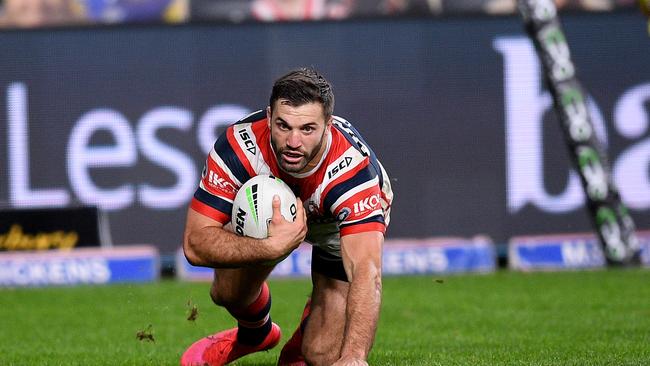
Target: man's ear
(328,124)
(268,116)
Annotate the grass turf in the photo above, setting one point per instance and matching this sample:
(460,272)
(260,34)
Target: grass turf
(505,318)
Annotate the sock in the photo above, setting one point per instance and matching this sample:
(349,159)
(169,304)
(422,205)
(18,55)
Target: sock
(254,321)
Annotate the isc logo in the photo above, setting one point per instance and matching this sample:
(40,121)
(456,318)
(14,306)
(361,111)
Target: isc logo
(368,203)
(248,142)
(342,164)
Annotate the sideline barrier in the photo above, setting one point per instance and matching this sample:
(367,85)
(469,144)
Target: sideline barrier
(562,252)
(439,255)
(80,266)
(400,257)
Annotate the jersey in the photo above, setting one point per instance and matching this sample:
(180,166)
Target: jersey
(347,192)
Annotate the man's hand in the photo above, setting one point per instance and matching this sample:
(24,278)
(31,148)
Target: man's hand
(361,254)
(206,242)
(349,361)
(285,236)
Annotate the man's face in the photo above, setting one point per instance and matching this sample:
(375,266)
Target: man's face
(297,134)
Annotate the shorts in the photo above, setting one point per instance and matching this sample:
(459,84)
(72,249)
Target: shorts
(327,264)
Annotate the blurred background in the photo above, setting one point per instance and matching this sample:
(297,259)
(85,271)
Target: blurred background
(113,105)
(36,13)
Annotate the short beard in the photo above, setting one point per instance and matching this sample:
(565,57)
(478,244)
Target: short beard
(307,159)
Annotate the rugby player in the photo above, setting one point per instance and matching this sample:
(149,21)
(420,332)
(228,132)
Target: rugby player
(345,196)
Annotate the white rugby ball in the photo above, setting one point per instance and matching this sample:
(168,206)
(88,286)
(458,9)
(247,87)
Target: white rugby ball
(252,208)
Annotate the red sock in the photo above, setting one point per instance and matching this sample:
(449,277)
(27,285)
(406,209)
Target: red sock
(254,321)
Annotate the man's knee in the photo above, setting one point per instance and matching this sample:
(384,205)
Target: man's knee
(325,328)
(318,355)
(229,296)
(219,297)
(225,297)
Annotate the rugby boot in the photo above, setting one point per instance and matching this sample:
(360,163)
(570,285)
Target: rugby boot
(222,348)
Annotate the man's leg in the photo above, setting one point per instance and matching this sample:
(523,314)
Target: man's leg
(244,293)
(291,354)
(323,335)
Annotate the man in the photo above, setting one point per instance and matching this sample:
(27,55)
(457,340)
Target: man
(347,197)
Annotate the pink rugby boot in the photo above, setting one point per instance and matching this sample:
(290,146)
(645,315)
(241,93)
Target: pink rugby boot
(222,348)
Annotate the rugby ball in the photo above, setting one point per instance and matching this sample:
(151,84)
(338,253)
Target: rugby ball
(252,208)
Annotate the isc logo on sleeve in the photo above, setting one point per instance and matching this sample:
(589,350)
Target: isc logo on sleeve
(248,142)
(339,167)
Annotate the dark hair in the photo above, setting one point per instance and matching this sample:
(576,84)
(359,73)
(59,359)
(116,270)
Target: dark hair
(302,86)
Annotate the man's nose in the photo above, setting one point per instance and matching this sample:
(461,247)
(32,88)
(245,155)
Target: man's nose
(294,141)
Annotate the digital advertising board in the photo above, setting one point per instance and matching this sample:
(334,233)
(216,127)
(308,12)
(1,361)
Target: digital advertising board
(121,118)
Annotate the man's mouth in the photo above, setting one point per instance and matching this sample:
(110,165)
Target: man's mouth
(292,157)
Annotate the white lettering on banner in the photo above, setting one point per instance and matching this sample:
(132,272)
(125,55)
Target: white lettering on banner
(81,156)
(215,118)
(525,106)
(20,192)
(631,173)
(415,261)
(56,272)
(392,263)
(167,157)
(135,141)
(581,254)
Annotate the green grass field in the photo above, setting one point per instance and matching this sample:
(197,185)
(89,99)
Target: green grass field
(506,318)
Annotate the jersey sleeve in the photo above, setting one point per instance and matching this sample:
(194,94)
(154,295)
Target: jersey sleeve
(222,175)
(357,202)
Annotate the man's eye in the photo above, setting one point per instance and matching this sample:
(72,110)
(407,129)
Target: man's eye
(308,129)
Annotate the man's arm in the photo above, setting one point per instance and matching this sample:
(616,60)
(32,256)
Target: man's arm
(362,261)
(207,243)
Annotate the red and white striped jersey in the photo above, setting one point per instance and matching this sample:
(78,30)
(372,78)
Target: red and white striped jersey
(347,192)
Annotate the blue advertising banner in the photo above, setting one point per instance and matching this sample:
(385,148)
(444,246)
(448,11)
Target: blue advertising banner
(439,255)
(400,257)
(569,251)
(80,266)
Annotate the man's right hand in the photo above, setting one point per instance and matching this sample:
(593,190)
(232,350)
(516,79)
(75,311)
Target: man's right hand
(285,236)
